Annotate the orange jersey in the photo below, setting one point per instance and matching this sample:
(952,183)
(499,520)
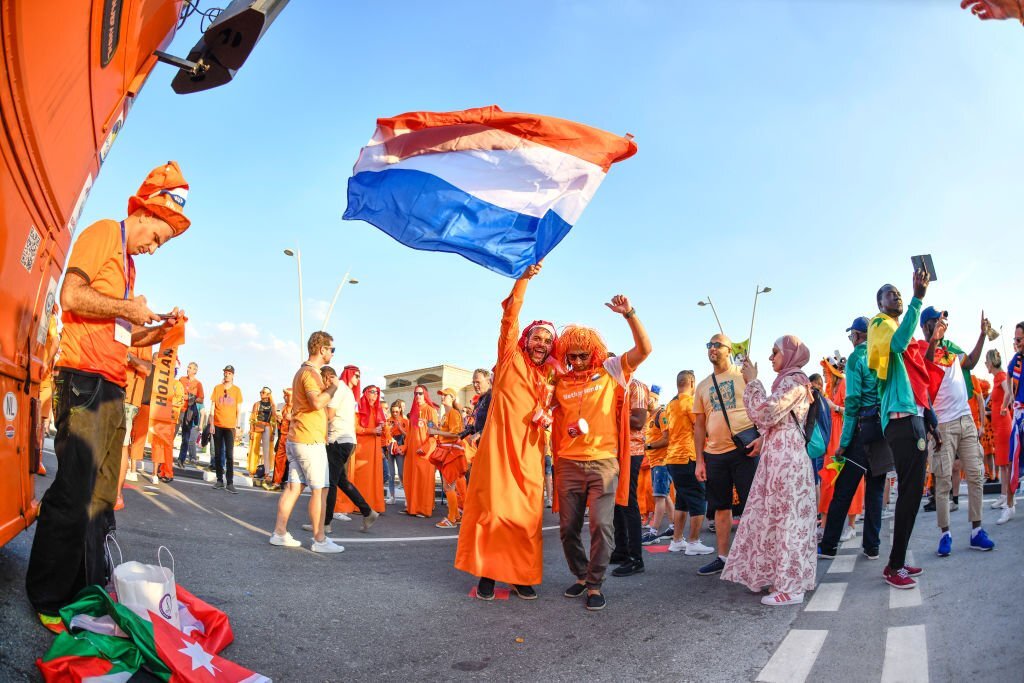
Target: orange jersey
(309,423)
(225,406)
(596,398)
(88,344)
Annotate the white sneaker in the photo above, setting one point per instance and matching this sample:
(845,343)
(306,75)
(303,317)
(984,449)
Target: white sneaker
(999,504)
(155,479)
(342,516)
(1007,515)
(887,513)
(287,541)
(778,599)
(131,476)
(847,534)
(309,527)
(677,546)
(326,546)
(368,521)
(697,548)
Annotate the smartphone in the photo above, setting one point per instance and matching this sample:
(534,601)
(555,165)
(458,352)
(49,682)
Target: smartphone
(924,262)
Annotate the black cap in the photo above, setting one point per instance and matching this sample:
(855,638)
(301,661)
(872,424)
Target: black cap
(229,368)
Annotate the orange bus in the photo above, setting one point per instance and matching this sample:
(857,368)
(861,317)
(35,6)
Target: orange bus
(69,72)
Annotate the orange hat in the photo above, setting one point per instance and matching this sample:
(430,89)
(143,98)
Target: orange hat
(163,194)
(450,392)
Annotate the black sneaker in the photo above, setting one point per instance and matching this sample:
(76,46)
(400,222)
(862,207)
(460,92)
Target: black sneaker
(711,527)
(595,602)
(714,567)
(930,505)
(828,554)
(871,553)
(628,569)
(259,473)
(219,485)
(231,488)
(525,592)
(485,589)
(619,558)
(575,590)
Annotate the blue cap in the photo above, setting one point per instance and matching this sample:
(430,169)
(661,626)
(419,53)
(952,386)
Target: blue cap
(860,325)
(655,389)
(930,314)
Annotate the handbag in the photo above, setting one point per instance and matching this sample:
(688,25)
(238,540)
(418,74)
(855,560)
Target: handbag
(146,588)
(744,438)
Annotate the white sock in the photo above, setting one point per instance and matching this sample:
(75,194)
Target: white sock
(974,531)
(723,558)
(946,533)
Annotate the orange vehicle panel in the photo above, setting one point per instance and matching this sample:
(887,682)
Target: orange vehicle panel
(69,70)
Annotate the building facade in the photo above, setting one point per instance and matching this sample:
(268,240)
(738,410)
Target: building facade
(400,385)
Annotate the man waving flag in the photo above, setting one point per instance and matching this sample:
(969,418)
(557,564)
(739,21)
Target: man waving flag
(499,188)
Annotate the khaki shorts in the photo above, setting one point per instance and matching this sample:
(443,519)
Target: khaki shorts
(307,464)
(130,412)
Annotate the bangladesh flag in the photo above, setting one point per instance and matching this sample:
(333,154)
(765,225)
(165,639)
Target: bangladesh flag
(106,642)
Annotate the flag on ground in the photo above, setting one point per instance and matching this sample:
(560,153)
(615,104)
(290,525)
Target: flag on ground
(499,188)
(105,642)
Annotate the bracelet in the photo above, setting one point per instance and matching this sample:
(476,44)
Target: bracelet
(629,314)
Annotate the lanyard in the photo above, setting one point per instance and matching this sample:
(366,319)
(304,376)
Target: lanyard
(124,260)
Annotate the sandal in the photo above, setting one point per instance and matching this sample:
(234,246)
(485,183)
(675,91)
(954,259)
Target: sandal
(446,524)
(779,598)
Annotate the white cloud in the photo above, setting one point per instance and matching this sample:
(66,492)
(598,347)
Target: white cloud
(248,330)
(316,311)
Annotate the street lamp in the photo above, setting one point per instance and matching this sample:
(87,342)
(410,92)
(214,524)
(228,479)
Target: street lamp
(302,326)
(712,305)
(337,293)
(757,290)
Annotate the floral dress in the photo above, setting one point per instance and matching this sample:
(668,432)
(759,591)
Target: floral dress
(775,541)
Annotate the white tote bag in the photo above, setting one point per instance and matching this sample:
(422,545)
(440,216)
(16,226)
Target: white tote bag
(145,588)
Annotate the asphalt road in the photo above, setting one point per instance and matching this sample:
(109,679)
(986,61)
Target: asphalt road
(391,607)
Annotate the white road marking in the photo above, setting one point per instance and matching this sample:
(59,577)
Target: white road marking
(906,655)
(407,539)
(794,659)
(909,559)
(904,597)
(851,544)
(843,564)
(827,597)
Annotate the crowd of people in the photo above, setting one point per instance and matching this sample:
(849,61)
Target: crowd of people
(777,473)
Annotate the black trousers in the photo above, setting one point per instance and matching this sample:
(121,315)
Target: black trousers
(628,529)
(906,437)
(77,510)
(337,473)
(845,488)
(224,452)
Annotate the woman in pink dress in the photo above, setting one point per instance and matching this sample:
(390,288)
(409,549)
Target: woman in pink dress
(774,544)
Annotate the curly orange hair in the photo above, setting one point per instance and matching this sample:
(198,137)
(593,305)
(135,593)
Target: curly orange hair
(579,337)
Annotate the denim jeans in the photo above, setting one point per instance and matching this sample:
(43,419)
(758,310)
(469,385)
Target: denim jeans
(393,468)
(77,511)
(845,489)
(188,444)
(224,452)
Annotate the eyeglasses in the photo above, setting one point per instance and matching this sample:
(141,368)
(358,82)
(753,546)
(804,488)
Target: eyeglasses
(715,345)
(577,356)
(330,348)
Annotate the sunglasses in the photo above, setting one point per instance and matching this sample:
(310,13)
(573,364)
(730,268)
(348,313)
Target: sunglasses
(577,356)
(715,345)
(418,393)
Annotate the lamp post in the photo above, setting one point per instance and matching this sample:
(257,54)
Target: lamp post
(757,291)
(302,326)
(337,293)
(712,305)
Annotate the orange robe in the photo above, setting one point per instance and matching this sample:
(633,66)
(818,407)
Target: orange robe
(418,477)
(501,525)
(837,394)
(645,489)
(366,468)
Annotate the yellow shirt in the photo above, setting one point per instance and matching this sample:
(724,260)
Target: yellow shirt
(595,399)
(680,418)
(656,427)
(705,402)
(309,424)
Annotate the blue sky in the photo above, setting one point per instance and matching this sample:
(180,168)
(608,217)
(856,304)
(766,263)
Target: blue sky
(812,146)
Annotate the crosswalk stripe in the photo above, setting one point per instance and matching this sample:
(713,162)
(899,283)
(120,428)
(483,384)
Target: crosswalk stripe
(851,544)
(843,564)
(904,597)
(906,655)
(827,598)
(794,658)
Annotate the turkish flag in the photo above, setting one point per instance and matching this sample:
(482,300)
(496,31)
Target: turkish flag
(189,662)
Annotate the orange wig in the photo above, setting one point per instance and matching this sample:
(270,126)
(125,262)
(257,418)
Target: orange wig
(580,337)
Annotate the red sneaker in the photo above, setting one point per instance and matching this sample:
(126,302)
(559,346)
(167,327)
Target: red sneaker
(913,571)
(898,578)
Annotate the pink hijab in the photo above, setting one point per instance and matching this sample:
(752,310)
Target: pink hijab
(795,355)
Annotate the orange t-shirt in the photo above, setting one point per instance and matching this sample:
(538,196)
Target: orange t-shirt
(225,406)
(596,400)
(88,344)
(309,424)
(451,422)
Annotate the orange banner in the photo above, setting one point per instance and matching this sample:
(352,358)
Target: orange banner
(161,412)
